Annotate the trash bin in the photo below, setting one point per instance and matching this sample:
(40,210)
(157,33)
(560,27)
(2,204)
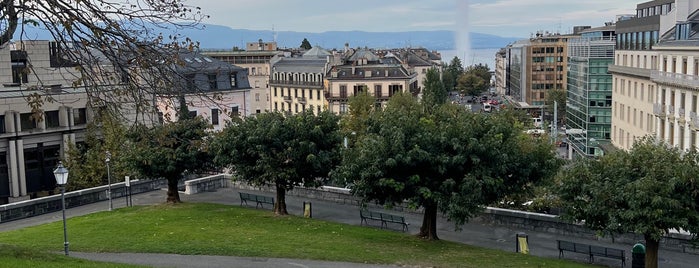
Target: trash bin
(522,243)
(638,256)
(307,210)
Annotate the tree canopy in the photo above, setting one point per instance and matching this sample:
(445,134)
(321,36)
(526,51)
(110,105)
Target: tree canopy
(648,190)
(169,151)
(284,151)
(435,93)
(305,44)
(474,80)
(447,160)
(452,71)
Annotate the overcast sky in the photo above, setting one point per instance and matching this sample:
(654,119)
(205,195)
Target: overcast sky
(507,18)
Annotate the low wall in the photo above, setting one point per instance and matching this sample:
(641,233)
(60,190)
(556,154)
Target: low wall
(207,184)
(48,204)
(515,219)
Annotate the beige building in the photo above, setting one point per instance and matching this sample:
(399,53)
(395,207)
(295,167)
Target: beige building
(677,76)
(363,71)
(297,82)
(640,106)
(501,71)
(547,55)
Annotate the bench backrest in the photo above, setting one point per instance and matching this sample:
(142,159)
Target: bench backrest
(390,217)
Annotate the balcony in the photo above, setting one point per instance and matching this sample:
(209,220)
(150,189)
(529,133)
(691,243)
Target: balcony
(287,98)
(693,120)
(670,110)
(659,110)
(681,116)
(623,70)
(300,84)
(301,100)
(675,79)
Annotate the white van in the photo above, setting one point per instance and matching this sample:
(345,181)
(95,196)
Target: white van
(487,107)
(537,122)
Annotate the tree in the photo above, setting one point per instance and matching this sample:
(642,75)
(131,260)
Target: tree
(109,43)
(271,149)
(305,44)
(471,84)
(451,72)
(447,160)
(169,151)
(481,70)
(648,190)
(558,95)
(87,161)
(435,94)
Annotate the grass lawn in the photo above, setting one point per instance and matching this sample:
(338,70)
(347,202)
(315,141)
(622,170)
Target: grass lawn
(12,256)
(214,229)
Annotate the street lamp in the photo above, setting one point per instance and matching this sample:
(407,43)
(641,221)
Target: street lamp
(61,174)
(109,181)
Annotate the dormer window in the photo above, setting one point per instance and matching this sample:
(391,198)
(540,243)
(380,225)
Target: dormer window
(233,81)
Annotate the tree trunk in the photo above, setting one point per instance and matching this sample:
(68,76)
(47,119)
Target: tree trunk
(280,203)
(651,252)
(173,195)
(428,230)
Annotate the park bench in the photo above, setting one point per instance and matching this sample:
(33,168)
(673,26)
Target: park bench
(591,251)
(384,218)
(258,199)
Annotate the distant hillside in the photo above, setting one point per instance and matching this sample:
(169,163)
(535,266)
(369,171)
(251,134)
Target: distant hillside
(216,36)
(223,37)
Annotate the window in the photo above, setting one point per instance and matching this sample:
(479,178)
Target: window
(19,66)
(212,81)
(27,121)
(343,91)
(235,112)
(377,91)
(343,108)
(257,96)
(2,123)
(79,116)
(51,118)
(275,92)
(214,117)
(192,114)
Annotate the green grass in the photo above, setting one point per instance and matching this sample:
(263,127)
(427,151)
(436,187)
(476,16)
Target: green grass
(214,229)
(13,256)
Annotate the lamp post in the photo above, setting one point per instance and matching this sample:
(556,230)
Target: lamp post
(61,174)
(109,181)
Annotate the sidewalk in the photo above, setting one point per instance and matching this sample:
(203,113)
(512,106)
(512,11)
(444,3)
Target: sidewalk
(474,233)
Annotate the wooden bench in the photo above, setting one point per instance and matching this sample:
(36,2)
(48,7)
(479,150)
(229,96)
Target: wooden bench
(591,251)
(258,199)
(384,218)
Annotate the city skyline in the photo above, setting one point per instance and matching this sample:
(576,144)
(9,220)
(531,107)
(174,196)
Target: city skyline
(507,18)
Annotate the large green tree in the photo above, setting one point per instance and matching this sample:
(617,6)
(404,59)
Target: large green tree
(435,93)
(169,151)
(648,190)
(474,80)
(284,151)
(446,160)
(559,96)
(452,71)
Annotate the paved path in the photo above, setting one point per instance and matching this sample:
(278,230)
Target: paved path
(473,233)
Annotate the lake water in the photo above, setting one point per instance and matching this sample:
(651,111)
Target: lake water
(475,56)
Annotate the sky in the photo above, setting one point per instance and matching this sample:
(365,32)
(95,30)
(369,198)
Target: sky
(506,18)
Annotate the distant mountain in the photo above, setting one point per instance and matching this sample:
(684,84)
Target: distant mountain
(223,37)
(216,36)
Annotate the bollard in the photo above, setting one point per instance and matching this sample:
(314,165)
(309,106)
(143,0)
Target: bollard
(638,256)
(522,243)
(307,211)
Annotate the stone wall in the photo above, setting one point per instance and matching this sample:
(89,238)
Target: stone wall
(48,204)
(207,184)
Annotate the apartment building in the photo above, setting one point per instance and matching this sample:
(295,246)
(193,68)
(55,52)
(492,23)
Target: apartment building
(33,140)
(213,89)
(501,71)
(297,82)
(589,90)
(363,71)
(677,74)
(634,110)
(256,59)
